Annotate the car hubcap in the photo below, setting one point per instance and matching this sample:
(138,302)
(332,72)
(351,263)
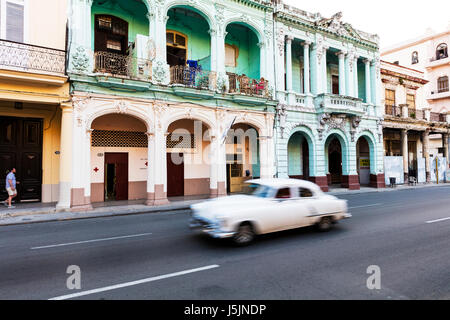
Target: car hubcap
(245,234)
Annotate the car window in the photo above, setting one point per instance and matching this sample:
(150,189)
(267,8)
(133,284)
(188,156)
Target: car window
(305,193)
(261,191)
(284,193)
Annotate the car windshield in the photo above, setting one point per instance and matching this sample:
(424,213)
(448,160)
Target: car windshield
(260,191)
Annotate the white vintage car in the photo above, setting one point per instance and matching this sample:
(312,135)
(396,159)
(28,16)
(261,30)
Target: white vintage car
(272,205)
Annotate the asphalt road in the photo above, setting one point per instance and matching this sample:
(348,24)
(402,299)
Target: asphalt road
(155,256)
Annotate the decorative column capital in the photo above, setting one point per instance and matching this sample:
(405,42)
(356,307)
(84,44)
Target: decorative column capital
(289,39)
(341,54)
(368,61)
(66,107)
(306,44)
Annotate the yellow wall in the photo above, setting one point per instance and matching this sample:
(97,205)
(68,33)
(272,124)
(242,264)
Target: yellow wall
(51,115)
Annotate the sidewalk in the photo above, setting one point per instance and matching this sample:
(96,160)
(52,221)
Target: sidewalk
(341,191)
(46,212)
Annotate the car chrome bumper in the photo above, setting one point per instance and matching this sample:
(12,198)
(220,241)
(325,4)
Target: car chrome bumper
(202,228)
(347,215)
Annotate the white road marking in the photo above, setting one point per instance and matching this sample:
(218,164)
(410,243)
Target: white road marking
(368,205)
(133,283)
(89,241)
(438,220)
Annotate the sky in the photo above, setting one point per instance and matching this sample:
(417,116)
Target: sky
(393,20)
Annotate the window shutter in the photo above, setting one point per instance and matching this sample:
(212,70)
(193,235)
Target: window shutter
(14,22)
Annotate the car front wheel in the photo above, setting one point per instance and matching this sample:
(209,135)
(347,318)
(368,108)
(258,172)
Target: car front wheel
(244,235)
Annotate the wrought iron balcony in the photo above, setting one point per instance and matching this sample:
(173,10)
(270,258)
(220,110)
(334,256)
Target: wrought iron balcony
(122,65)
(331,103)
(248,86)
(191,77)
(416,114)
(438,117)
(29,58)
(393,111)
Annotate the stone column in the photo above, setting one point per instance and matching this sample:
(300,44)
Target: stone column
(368,81)
(160,160)
(405,111)
(151,166)
(157,24)
(262,60)
(81,26)
(318,67)
(65,158)
(342,89)
(349,75)
(266,171)
(405,155)
(217,161)
(222,78)
(289,63)
(445,145)
(306,73)
(324,70)
(355,77)
(426,154)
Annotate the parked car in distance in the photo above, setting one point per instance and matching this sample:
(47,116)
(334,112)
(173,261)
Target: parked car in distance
(273,205)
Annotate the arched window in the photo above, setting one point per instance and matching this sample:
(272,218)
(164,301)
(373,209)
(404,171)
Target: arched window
(441,51)
(415,57)
(443,84)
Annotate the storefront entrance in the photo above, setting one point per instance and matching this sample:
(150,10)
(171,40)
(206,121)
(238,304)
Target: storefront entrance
(21,148)
(116,176)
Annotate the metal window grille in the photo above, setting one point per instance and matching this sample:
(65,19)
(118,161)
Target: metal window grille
(119,139)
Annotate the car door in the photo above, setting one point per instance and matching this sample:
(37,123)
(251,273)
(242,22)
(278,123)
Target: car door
(291,211)
(274,215)
(305,207)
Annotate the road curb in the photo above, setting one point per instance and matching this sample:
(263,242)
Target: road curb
(86,215)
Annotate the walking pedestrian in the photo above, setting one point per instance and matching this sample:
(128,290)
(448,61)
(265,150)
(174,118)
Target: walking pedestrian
(11,187)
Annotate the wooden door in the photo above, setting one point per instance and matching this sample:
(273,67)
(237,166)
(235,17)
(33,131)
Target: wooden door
(335,84)
(120,161)
(21,148)
(335,161)
(175,175)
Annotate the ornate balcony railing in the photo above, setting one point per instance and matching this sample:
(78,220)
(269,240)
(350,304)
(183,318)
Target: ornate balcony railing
(30,58)
(332,103)
(394,111)
(190,77)
(122,65)
(438,117)
(416,114)
(248,86)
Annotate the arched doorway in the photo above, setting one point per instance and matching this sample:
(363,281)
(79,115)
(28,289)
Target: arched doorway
(299,157)
(188,165)
(363,161)
(243,156)
(119,158)
(333,148)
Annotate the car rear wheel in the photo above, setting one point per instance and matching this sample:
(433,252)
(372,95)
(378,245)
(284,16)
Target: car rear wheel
(244,235)
(325,224)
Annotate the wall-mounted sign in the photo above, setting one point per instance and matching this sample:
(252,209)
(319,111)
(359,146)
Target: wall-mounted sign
(364,163)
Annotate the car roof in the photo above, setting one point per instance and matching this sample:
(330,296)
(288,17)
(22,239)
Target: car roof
(278,182)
